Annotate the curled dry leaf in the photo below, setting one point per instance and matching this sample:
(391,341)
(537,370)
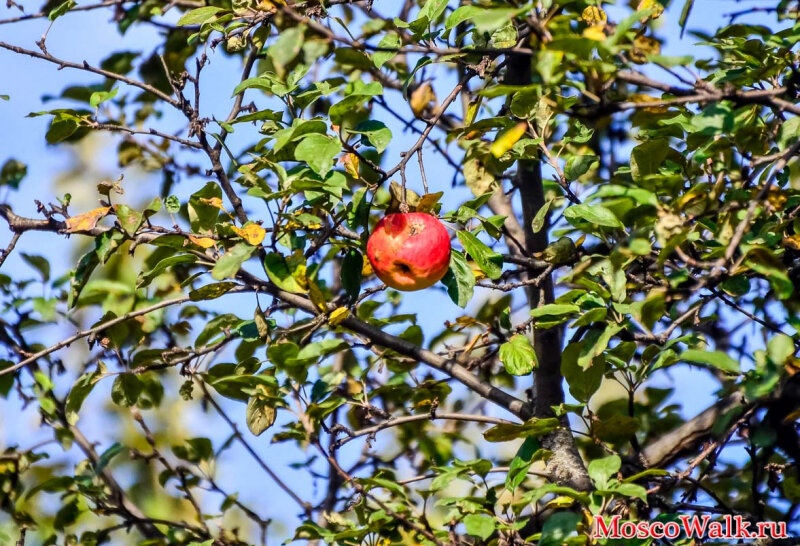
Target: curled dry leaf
(205,242)
(350,163)
(421,97)
(214,202)
(86,221)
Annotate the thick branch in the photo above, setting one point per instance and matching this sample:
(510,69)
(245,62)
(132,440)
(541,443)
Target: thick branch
(669,447)
(566,464)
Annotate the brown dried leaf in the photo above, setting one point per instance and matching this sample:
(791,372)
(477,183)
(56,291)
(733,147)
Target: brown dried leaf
(421,97)
(86,221)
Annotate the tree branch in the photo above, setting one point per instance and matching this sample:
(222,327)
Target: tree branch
(689,436)
(397,421)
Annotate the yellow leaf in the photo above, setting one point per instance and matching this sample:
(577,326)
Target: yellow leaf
(642,98)
(465,321)
(205,242)
(428,202)
(792,417)
(776,198)
(421,97)
(560,502)
(214,202)
(296,263)
(477,271)
(270,6)
(506,140)
(316,294)
(643,47)
(594,15)
(366,269)
(252,233)
(595,32)
(472,111)
(354,387)
(792,242)
(653,5)
(86,221)
(350,162)
(338,316)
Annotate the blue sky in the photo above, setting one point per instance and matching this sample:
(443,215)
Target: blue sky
(91,37)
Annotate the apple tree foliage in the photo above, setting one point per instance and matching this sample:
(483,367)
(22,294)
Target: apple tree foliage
(619,217)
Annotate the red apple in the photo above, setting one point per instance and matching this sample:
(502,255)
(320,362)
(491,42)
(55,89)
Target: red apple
(409,251)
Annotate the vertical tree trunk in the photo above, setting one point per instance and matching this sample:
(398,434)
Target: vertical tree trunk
(566,464)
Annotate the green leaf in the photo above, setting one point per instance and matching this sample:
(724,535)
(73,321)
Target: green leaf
(373,133)
(646,158)
(352,266)
(459,279)
(595,342)
(80,390)
(126,390)
(198,16)
(391,42)
(202,215)
(518,356)
(554,310)
(287,46)
(61,9)
(129,219)
(541,216)
(211,291)
(105,245)
(684,18)
(279,273)
(558,527)
(432,9)
(230,263)
(531,428)
(594,214)
(12,173)
(260,415)
(715,359)
(578,165)
(318,151)
(173,204)
(484,19)
(601,470)
(630,490)
(106,456)
(616,429)
(479,525)
(98,97)
(146,278)
(61,128)
(487,259)
(764,262)
(39,263)
(194,450)
(583,383)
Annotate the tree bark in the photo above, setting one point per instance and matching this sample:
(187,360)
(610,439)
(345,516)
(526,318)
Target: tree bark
(566,465)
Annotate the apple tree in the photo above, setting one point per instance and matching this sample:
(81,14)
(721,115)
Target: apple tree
(200,351)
